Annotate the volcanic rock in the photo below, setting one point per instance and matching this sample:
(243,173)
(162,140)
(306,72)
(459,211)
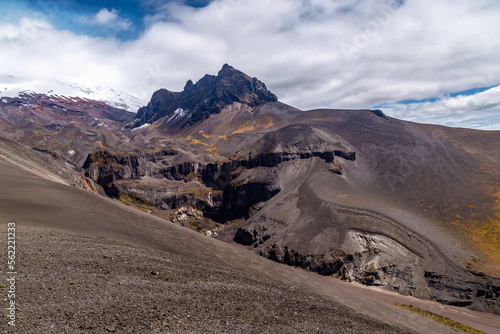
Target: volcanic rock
(204,98)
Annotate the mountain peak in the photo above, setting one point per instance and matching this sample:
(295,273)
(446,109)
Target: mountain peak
(226,66)
(206,97)
(189,85)
(228,70)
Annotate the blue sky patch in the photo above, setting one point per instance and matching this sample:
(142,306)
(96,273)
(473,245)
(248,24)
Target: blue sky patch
(467,92)
(77,16)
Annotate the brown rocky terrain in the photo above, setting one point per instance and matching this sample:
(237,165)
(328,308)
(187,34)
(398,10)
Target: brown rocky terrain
(353,194)
(101,266)
(33,111)
(73,283)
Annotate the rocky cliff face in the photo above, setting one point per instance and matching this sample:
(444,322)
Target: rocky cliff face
(378,259)
(204,98)
(231,188)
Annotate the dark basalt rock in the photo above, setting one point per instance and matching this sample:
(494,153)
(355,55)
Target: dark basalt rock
(474,290)
(104,168)
(243,237)
(379,113)
(237,200)
(206,97)
(231,199)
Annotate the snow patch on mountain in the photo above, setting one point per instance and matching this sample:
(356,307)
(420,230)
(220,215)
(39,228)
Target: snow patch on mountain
(178,113)
(141,127)
(11,86)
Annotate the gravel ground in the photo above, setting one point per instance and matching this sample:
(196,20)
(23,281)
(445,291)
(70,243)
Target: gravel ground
(72,283)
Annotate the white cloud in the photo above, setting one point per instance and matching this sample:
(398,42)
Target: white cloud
(395,51)
(480,110)
(105,16)
(108,19)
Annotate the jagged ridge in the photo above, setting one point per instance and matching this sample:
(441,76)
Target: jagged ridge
(206,97)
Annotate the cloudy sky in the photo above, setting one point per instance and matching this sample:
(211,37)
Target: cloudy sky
(433,61)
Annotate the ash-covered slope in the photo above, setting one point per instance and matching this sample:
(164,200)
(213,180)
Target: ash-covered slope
(351,193)
(107,267)
(204,98)
(355,194)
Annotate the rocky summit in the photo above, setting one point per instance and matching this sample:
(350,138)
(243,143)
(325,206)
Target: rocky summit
(351,194)
(204,98)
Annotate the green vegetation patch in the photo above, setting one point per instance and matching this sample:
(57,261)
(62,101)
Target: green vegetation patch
(443,320)
(131,200)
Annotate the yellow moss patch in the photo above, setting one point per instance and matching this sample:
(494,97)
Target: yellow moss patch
(443,320)
(265,123)
(198,142)
(213,150)
(135,201)
(205,135)
(484,235)
(247,126)
(99,144)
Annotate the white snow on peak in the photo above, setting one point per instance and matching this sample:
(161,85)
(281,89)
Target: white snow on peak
(11,86)
(141,127)
(178,113)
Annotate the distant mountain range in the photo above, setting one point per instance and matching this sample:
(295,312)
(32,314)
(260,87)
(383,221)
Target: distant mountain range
(407,207)
(11,86)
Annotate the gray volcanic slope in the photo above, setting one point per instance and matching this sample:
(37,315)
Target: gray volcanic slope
(138,273)
(354,194)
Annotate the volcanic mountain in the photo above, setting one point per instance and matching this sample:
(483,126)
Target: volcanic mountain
(205,98)
(354,194)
